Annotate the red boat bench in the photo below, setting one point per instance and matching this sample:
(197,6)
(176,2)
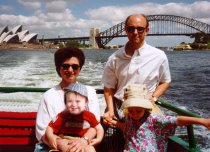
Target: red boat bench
(17,131)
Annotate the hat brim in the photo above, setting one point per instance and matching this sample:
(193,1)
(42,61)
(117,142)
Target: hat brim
(133,102)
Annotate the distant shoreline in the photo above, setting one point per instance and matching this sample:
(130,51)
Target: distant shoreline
(34,46)
(27,46)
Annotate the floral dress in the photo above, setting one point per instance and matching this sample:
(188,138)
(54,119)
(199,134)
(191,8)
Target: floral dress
(149,134)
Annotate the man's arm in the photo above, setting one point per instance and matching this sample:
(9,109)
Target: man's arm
(159,91)
(108,94)
(184,121)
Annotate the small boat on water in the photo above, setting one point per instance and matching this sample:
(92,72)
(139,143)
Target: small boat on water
(17,129)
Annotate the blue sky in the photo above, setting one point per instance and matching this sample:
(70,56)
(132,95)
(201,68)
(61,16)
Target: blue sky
(71,18)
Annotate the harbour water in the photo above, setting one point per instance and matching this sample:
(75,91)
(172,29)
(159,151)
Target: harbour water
(190,88)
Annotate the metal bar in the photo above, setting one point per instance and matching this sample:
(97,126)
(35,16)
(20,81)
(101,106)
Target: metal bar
(180,111)
(160,102)
(180,141)
(192,140)
(29,89)
(21,89)
(191,137)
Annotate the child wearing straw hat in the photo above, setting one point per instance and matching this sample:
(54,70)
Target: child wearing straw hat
(144,131)
(74,121)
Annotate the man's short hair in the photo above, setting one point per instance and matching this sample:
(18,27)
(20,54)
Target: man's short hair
(147,22)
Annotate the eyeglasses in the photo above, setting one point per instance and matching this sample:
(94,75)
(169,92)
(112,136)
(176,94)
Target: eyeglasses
(73,66)
(139,29)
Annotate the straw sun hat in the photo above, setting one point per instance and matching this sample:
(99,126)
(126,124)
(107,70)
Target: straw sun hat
(136,95)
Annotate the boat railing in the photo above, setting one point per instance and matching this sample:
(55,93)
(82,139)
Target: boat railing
(191,146)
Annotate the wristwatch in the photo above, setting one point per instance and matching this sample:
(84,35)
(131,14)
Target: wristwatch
(87,139)
(154,98)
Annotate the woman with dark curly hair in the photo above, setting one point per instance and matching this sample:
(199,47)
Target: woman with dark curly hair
(68,62)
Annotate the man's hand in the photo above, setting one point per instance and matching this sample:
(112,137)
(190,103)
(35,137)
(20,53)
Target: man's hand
(108,116)
(95,141)
(111,121)
(152,99)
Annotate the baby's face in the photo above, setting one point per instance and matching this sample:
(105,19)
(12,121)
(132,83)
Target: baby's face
(136,113)
(75,103)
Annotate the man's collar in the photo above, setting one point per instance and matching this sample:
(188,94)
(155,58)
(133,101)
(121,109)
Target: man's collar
(137,51)
(141,49)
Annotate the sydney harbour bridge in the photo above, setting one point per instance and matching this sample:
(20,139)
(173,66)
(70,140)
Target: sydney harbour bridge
(159,25)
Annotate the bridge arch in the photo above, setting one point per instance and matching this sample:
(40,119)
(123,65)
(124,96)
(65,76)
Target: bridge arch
(167,25)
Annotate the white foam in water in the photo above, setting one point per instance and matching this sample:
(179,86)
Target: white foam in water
(19,101)
(46,83)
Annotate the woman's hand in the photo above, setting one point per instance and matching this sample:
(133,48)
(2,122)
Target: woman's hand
(77,145)
(62,144)
(53,142)
(95,141)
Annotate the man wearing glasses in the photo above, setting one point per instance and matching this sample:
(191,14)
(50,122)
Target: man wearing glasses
(135,63)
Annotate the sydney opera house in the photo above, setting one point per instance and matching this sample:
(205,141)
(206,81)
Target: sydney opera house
(16,35)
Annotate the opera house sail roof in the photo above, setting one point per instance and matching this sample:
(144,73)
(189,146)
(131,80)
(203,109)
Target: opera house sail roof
(22,34)
(17,29)
(4,29)
(16,35)
(30,37)
(11,38)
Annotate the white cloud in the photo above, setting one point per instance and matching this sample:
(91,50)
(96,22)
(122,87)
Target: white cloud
(199,9)
(65,15)
(40,14)
(56,6)
(30,4)
(109,13)
(13,20)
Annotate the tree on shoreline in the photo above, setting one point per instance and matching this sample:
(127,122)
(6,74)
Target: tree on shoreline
(201,42)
